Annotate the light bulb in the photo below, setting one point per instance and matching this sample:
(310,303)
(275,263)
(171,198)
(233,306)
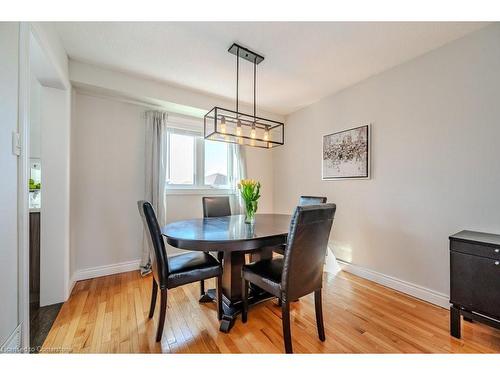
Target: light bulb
(238,128)
(266,134)
(240,140)
(252,132)
(223,125)
(252,142)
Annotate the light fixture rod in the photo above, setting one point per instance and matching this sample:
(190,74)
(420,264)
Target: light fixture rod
(254,80)
(237,77)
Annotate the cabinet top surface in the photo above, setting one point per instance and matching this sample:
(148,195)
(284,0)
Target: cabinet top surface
(470,236)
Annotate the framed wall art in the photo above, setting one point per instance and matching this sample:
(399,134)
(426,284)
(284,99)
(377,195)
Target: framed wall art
(346,154)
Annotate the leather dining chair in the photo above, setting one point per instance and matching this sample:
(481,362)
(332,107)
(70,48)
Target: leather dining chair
(300,271)
(177,270)
(214,207)
(304,200)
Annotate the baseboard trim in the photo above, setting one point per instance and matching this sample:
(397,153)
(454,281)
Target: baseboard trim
(110,269)
(72,283)
(414,290)
(406,287)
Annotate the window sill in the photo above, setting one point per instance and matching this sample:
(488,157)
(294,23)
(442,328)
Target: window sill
(198,191)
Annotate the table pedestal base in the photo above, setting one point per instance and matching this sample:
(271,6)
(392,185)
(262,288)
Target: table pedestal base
(205,298)
(231,310)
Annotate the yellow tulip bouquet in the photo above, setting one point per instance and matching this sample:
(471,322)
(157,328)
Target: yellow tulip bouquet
(250,192)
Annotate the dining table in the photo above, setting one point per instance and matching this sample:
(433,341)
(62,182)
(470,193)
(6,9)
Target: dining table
(235,238)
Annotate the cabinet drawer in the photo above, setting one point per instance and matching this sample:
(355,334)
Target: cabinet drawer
(475,283)
(476,249)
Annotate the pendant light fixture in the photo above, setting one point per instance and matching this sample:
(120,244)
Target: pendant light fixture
(225,125)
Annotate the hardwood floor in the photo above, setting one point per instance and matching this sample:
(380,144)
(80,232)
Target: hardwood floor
(41,320)
(109,315)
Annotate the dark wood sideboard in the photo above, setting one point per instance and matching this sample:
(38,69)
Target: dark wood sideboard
(474,279)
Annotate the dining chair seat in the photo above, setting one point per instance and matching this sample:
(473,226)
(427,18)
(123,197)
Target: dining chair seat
(266,274)
(189,267)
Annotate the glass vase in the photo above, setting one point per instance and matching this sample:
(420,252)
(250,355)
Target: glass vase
(250,210)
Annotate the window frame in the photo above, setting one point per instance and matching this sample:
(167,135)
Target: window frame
(199,186)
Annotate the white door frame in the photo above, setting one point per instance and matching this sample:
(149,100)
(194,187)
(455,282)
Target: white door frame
(23,176)
(26,31)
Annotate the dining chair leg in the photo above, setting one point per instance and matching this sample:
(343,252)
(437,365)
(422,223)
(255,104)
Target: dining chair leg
(287,334)
(319,314)
(202,288)
(163,312)
(244,297)
(219,297)
(154,293)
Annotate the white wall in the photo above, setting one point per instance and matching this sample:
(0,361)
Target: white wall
(107,145)
(107,179)
(35,127)
(72,254)
(172,98)
(49,66)
(9,52)
(54,55)
(54,231)
(435,169)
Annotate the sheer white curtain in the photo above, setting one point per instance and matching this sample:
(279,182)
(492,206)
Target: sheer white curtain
(156,172)
(239,173)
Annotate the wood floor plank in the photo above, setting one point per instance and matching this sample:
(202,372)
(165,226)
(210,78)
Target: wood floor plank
(110,314)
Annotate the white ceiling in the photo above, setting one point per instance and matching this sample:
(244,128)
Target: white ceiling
(303,61)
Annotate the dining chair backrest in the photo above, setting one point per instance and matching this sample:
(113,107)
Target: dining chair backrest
(306,200)
(159,259)
(216,206)
(306,250)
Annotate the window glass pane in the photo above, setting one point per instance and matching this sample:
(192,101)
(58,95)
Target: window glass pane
(216,173)
(181,159)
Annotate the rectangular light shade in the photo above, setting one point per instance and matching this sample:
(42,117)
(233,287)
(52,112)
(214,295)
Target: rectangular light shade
(225,125)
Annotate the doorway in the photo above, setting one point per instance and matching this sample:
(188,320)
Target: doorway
(48,195)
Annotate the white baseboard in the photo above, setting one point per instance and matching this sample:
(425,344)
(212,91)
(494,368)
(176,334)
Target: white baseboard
(72,283)
(110,269)
(406,287)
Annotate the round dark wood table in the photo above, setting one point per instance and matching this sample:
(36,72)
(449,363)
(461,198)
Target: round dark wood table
(231,235)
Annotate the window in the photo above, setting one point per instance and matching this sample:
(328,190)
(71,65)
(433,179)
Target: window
(216,163)
(181,159)
(196,163)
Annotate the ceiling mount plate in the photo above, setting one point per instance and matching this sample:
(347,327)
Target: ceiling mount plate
(245,53)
